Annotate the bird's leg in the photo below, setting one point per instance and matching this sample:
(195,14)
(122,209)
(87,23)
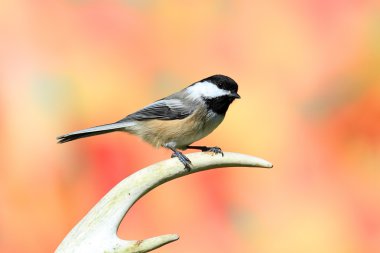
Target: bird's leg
(215,150)
(182,158)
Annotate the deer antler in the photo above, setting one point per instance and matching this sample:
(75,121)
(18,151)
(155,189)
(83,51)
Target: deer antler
(96,232)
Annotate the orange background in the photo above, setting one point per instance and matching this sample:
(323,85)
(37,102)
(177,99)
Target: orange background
(309,79)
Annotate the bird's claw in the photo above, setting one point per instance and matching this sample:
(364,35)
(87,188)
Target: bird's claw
(183,159)
(215,150)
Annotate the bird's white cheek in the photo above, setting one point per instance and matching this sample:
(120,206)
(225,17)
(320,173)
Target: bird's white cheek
(205,89)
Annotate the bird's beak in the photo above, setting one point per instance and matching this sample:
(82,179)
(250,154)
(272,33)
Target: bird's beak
(235,95)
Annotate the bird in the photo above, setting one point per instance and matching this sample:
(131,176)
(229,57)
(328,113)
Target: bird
(178,120)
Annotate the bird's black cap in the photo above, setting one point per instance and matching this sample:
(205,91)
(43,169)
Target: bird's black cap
(223,82)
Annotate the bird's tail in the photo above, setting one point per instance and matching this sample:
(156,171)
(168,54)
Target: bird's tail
(118,126)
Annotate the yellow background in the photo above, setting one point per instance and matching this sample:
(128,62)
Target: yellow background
(309,77)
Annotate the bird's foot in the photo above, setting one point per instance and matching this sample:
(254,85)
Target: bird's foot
(183,159)
(215,150)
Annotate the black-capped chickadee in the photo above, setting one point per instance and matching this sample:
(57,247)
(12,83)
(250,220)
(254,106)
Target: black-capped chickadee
(178,120)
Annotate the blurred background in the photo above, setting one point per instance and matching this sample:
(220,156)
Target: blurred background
(309,76)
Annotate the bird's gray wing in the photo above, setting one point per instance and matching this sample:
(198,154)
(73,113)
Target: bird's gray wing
(164,109)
